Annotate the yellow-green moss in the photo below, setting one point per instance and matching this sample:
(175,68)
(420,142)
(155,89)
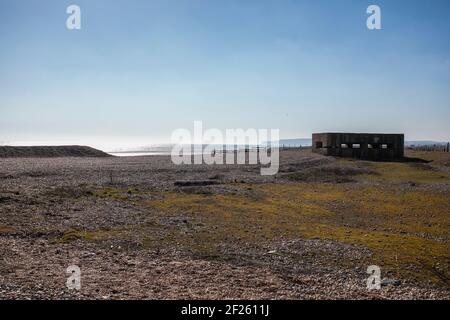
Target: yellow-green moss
(402,228)
(405,172)
(97,235)
(115,193)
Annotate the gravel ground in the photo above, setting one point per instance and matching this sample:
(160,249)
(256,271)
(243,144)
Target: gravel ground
(42,199)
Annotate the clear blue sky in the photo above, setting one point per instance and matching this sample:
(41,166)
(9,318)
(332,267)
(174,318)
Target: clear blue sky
(139,69)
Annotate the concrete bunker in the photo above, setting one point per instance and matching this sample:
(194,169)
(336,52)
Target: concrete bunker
(368,146)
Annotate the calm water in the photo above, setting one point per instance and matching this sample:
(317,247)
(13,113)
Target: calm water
(137,154)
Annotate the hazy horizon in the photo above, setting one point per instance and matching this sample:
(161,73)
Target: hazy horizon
(150,147)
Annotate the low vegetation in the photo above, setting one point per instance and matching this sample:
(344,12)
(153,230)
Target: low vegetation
(407,231)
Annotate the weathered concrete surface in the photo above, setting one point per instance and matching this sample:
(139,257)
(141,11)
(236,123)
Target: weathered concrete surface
(370,146)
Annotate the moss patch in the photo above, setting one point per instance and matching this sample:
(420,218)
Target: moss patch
(407,231)
(406,172)
(96,235)
(115,193)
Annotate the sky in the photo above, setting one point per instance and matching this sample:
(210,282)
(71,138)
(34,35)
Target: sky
(139,69)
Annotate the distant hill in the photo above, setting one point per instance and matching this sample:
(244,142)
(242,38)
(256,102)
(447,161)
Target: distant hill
(424,143)
(296,142)
(50,152)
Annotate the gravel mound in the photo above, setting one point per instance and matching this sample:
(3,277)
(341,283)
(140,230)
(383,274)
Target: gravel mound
(50,152)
